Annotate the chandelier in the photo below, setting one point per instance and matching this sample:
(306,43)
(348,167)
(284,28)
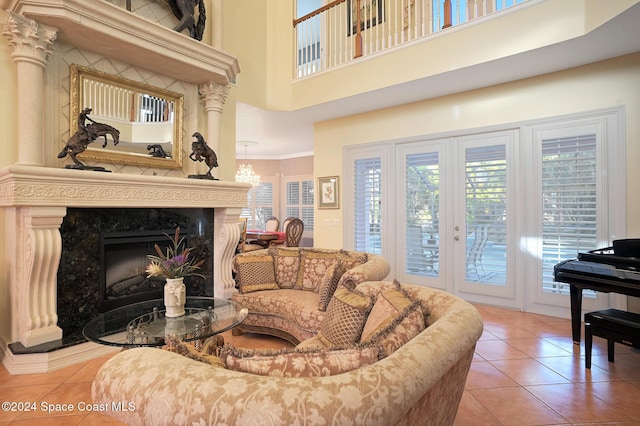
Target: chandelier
(245,173)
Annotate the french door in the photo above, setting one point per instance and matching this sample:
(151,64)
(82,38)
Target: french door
(487,215)
(455,201)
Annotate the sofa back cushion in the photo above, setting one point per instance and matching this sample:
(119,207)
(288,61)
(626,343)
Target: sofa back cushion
(287,266)
(345,317)
(298,363)
(255,273)
(313,266)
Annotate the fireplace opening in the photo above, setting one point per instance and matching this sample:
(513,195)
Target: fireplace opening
(123,258)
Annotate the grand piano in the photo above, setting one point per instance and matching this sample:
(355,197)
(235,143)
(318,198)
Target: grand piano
(614,269)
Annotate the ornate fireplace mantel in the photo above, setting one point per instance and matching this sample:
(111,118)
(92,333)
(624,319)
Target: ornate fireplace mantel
(35,198)
(35,201)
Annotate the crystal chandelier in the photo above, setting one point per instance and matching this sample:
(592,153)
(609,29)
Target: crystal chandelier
(245,173)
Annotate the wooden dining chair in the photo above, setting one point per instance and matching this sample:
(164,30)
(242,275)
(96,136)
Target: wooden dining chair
(272,224)
(243,245)
(293,233)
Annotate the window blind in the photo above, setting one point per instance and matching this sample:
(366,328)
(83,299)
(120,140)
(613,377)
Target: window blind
(569,202)
(367,196)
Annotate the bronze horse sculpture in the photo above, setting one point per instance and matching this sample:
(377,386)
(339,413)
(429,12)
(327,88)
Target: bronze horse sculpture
(184,11)
(80,139)
(202,152)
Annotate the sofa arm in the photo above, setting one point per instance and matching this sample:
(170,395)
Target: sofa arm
(375,269)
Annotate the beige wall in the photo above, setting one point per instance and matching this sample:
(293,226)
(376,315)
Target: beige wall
(281,168)
(605,84)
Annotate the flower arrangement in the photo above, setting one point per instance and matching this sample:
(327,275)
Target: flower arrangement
(175,263)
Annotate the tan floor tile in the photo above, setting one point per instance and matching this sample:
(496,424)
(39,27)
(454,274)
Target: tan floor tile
(97,419)
(65,395)
(572,367)
(23,394)
(504,331)
(576,404)
(535,347)
(52,421)
(621,395)
(484,375)
(516,406)
(56,376)
(529,372)
(88,371)
(498,349)
(471,412)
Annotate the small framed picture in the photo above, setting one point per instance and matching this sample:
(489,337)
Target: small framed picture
(328,196)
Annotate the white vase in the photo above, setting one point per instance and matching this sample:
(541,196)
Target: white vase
(174,297)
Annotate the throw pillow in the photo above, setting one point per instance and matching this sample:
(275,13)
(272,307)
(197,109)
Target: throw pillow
(351,278)
(345,317)
(313,266)
(287,264)
(405,327)
(404,320)
(299,363)
(329,283)
(388,307)
(255,273)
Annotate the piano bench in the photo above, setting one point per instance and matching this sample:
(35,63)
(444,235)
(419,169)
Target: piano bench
(615,326)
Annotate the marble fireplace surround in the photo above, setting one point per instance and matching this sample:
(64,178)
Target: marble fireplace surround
(35,201)
(35,194)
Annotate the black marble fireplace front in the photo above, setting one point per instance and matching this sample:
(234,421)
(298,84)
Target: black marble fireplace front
(104,257)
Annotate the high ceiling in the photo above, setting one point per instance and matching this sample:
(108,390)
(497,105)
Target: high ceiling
(281,135)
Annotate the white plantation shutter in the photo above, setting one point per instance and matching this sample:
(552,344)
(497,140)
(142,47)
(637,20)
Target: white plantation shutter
(486,208)
(422,193)
(569,202)
(299,202)
(367,195)
(259,205)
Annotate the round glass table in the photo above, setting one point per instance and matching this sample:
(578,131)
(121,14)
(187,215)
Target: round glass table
(144,323)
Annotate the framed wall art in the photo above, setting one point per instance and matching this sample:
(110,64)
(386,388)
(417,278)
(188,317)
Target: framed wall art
(371,13)
(328,192)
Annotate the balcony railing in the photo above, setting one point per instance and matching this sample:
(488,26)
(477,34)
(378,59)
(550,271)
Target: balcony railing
(337,33)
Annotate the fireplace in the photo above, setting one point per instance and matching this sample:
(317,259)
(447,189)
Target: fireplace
(123,261)
(104,256)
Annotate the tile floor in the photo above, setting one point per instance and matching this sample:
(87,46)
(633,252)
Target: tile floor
(526,371)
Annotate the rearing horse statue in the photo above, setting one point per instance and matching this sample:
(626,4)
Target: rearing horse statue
(184,11)
(80,139)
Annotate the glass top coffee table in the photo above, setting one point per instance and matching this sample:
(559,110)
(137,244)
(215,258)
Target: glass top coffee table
(144,323)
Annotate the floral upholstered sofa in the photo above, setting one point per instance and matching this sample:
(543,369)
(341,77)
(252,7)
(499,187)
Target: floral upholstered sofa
(407,365)
(287,290)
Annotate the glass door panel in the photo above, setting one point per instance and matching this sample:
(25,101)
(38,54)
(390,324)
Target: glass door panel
(483,224)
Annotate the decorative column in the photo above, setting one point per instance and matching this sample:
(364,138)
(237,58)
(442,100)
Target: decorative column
(216,41)
(32,44)
(214,96)
(36,254)
(226,238)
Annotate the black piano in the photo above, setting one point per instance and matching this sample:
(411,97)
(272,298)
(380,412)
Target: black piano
(614,269)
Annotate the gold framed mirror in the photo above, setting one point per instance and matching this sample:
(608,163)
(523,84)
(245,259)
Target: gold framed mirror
(149,119)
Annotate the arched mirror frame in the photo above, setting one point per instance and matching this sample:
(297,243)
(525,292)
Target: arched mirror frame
(78,76)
